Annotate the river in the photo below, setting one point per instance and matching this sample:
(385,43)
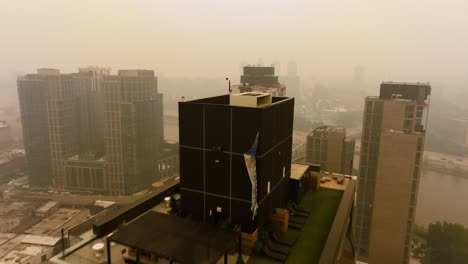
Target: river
(442,197)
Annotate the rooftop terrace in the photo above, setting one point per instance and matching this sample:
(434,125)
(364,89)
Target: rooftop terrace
(323,206)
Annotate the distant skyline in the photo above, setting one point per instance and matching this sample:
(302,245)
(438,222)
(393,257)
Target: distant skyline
(392,40)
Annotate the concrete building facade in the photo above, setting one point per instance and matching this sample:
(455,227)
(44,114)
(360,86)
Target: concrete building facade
(330,148)
(62,112)
(133,129)
(32,95)
(91,108)
(390,165)
(91,131)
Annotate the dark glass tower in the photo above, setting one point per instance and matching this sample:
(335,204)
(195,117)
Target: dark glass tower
(215,135)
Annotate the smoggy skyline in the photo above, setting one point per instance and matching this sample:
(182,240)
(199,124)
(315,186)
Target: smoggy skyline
(392,40)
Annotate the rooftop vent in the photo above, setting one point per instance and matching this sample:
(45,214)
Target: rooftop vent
(250,99)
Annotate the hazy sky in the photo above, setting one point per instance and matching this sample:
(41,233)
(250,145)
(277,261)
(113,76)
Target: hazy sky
(393,39)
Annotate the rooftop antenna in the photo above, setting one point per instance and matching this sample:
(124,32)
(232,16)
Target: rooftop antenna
(229,85)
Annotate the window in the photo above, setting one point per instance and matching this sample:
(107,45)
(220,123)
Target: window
(410,108)
(365,147)
(378,107)
(366,133)
(369,107)
(364,163)
(367,120)
(408,124)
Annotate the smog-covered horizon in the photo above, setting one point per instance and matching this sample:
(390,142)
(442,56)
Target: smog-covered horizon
(391,41)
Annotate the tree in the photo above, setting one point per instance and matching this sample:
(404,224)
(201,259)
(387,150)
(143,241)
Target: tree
(447,243)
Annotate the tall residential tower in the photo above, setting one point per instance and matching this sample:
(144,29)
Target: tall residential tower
(390,165)
(92,131)
(133,118)
(32,95)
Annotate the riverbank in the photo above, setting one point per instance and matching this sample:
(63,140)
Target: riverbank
(444,167)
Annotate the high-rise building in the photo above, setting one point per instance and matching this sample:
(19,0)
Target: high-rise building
(85,169)
(330,148)
(259,75)
(133,118)
(292,80)
(91,108)
(261,79)
(390,165)
(222,140)
(62,115)
(32,95)
(91,131)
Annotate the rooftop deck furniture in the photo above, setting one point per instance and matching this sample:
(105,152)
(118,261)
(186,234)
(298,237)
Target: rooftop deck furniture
(278,247)
(285,238)
(296,213)
(297,220)
(300,209)
(274,255)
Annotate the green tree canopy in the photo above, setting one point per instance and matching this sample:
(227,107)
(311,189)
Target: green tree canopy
(447,243)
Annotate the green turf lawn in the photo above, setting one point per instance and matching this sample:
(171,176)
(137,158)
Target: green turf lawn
(323,205)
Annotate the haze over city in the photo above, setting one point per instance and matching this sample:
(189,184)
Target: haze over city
(393,40)
(328,132)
